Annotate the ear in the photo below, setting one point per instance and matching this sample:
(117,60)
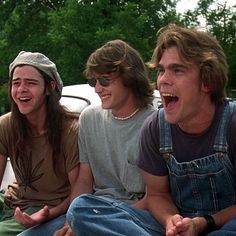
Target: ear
(53,86)
(205,88)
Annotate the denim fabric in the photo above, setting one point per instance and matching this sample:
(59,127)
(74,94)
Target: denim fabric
(205,185)
(91,215)
(229,229)
(46,229)
(222,233)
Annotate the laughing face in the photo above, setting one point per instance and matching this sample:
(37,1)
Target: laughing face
(115,95)
(28,91)
(184,96)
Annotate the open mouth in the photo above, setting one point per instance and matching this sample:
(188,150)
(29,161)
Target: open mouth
(169,99)
(24,99)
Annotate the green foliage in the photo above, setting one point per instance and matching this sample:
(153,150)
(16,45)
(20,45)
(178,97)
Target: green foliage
(82,26)
(68,31)
(4,101)
(221,22)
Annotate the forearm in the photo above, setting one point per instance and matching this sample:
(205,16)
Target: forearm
(79,189)
(162,208)
(141,204)
(3,161)
(59,209)
(63,207)
(220,218)
(224,215)
(83,183)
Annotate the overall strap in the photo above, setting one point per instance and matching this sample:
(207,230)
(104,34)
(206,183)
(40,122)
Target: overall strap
(220,144)
(166,146)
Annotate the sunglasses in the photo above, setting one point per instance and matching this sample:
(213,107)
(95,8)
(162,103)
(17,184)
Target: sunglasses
(103,81)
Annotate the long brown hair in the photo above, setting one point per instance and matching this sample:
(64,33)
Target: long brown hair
(56,115)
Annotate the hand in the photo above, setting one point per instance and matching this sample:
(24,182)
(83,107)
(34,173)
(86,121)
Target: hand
(179,226)
(172,223)
(31,220)
(12,191)
(65,231)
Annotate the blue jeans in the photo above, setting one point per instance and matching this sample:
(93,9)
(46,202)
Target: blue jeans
(99,215)
(46,229)
(229,229)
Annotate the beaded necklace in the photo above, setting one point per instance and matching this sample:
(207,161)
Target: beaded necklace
(127,117)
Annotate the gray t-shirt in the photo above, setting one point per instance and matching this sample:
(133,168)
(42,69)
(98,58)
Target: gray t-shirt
(110,146)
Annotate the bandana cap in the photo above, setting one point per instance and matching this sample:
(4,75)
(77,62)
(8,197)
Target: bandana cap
(41,62)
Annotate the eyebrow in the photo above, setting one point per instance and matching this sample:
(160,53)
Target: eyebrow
(27,79)
(173,66)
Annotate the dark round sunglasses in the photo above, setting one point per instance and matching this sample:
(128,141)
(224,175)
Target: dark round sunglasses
(103,81)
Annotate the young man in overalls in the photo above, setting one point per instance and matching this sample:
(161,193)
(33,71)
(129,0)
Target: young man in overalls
(187,149)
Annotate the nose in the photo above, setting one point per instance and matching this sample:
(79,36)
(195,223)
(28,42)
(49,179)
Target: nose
(164,77)
(22,87)
(98,87)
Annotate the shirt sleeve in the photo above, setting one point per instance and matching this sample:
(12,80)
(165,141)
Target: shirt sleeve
(150,159)
(84,135)
(71,147)
(232,140)
(5,134)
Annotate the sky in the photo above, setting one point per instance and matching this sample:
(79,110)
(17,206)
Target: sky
(184,5)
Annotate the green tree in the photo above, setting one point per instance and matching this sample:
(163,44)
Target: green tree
(220,20)
(4,101)
(81,26)
(24,25)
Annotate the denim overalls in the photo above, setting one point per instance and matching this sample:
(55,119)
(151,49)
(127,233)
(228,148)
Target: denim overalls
(205,185)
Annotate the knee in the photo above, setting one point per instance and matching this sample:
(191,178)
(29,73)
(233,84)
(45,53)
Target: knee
(230,225)
(228,229)
(78,212)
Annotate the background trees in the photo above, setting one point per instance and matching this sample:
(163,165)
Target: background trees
(69,30)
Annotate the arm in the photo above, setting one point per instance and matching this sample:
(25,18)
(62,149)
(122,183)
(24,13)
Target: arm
(62,208)
(220,219)
(162,207)
(83,184)
(141,204)
(198,225)
(160,204)
(45,213)
(158,199)
(3,162)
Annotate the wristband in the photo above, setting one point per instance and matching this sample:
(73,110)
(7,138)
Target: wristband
(211,224)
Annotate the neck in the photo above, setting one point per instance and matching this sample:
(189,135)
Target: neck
(37,125)
(126,117)
(200,125)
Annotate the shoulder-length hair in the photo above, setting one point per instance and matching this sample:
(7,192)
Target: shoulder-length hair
(198,47)
(117,55)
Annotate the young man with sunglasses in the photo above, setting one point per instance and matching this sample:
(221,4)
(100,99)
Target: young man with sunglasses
(108,140)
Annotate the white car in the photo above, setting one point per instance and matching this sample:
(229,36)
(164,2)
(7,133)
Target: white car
(75,98)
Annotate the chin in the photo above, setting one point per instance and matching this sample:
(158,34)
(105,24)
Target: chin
(106,106)
(24,111)
(171,119)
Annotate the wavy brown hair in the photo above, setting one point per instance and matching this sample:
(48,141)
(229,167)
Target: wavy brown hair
(201,48)
(117,55)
